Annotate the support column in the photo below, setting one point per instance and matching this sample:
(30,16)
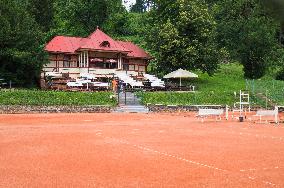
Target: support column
(81,59)
(84,62)
(88,65)
(87,59)
(119,62)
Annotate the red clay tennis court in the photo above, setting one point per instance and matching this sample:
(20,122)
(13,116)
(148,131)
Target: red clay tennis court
(138,150)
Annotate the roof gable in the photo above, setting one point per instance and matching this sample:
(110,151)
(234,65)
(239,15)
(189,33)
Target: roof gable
(97,38)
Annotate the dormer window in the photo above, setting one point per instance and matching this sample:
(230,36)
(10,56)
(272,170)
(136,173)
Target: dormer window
(105,44)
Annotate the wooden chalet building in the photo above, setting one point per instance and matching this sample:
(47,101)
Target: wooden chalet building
(97,54)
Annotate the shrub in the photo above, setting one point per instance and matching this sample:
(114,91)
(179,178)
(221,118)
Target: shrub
(280,75)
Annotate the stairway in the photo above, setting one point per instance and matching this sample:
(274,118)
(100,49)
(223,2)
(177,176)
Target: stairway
(130,103)
(131,109)
(128,80)
(155,81)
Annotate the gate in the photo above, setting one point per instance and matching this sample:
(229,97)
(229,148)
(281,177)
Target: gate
(129,102)
(126,97)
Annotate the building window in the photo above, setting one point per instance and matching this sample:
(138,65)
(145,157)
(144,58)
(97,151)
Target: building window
(142,69)
(99,64)
(103,63)
(105,44)
(131,67)
(66,64)
(111,63)
(66,61)
(125,67)
(96,63)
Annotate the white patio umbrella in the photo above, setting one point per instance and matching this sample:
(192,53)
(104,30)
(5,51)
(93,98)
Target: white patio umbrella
(180,73)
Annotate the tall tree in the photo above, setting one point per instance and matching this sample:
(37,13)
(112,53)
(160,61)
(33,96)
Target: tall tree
(276,8)
(248,32)
(182,33)
(139,6)
(21,55)
(77,17)
(43,12)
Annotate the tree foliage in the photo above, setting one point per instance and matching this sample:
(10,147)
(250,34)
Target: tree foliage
(21,56)
(248,32)
(139,6)
(76,17)
(43,12)
(182,33)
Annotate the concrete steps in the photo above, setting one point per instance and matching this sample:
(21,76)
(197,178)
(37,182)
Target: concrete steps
(130,103)
(131,109)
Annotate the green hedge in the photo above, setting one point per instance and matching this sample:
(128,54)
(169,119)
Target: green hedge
(55,98)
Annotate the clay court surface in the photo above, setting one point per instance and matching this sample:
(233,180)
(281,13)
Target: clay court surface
(138,150)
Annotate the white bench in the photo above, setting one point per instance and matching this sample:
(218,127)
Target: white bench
(203,113)
(273,113)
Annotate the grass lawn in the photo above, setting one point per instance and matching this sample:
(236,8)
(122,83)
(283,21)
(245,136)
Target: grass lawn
(55,98)
(273,89)
(218,89)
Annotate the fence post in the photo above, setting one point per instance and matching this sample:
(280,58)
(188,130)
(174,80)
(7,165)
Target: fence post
(125,97)
(118,97)
(227,112)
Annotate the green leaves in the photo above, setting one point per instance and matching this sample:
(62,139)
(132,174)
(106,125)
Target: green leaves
(80,18)
(21,58)
(248,32)
(54,98)
(183,35)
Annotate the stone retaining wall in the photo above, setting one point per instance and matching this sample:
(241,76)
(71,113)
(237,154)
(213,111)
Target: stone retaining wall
(17,109)
(173,108)
(181,108)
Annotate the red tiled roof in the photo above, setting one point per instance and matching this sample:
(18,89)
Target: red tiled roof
(98,40)
(136,51)
(64,44)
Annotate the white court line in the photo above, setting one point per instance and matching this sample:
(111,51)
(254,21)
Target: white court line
(182,159)
(87,120)
(166,154)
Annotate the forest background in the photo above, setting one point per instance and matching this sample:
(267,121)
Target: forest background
(190,34)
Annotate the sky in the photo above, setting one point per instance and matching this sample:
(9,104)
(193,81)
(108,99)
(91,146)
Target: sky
(127,3)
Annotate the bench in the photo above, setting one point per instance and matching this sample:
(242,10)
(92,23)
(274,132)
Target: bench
(203,113)
(265,113)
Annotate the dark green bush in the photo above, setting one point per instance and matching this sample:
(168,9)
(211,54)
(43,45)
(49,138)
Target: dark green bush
(280,75)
